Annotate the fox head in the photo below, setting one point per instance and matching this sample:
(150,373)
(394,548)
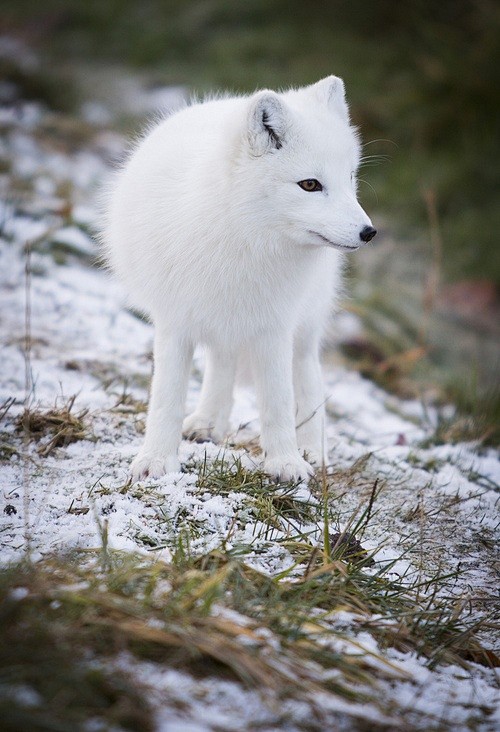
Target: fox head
(304,155)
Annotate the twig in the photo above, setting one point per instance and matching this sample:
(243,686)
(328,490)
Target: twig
(7,404)
(433,275)
(28,378)
(28,386)
(373,495)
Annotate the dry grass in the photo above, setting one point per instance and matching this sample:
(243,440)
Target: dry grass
(71,609)
(215,616)
(48,653)
(57,427)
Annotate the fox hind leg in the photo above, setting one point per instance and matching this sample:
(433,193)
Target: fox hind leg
(210,420)
(309,399)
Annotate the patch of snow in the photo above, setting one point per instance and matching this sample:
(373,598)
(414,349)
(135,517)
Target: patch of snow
(76,239)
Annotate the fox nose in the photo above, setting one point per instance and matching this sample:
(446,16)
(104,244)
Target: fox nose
(367,233)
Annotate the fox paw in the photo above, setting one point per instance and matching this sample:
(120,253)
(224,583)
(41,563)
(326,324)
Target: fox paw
(200,429)
(289,468)
(312,455)
(153,465)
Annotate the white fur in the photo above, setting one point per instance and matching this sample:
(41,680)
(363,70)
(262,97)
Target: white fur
(213,238)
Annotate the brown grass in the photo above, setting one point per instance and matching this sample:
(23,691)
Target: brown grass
(60,426)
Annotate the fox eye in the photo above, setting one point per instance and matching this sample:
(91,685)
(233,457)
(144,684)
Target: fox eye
(311,185)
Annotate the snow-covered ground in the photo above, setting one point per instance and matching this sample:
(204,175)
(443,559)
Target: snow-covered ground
(437,508)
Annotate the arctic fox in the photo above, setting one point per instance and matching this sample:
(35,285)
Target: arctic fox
(228,225)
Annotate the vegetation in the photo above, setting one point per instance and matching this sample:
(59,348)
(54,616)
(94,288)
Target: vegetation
(66,619)
(56,427)
(423,79)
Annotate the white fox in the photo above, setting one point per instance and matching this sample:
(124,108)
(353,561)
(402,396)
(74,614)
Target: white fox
(227,226)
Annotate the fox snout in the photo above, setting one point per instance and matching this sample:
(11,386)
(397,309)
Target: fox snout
(367,233)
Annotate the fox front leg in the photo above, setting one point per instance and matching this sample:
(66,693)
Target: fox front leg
(272,361)
(173,354)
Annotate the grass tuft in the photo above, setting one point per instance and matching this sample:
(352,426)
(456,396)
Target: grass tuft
(53,675)
(67,619)
(57,427)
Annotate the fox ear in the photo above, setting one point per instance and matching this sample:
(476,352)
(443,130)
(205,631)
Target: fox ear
(331,90)
(267,122)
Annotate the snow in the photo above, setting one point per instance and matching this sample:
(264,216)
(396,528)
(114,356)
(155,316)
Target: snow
(75,238)
(86,343)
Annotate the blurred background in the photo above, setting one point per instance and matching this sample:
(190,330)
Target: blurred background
(423,82)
